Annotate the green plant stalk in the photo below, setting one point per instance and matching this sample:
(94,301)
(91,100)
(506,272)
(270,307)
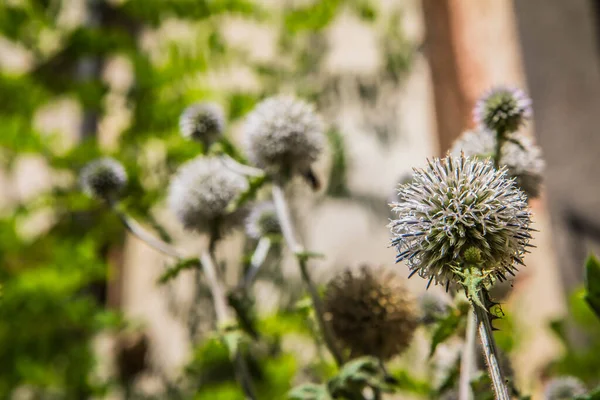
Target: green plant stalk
(289,235)
(484,326)
(500,140)
(224,318)
(467,359)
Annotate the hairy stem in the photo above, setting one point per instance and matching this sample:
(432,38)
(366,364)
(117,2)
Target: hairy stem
(484,326)
(239,168)
(467,360)
(257,260)
(224,317)
(289,235)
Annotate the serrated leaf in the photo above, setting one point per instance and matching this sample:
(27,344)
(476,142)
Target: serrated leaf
(444,329)
(592,284)
(357,374)
(309,391)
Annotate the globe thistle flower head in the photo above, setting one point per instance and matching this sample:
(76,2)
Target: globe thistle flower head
(370,312)
(522,157)
(103,178)
(564,388)
(200,192)
(283,135)
(453,206)
(262,221)
(203,122)
(502,109)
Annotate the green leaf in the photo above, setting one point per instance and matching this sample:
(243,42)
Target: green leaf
(445,329)
(358,374)
(593,395)
(309,391)
(173,272)
(338,186)
(592,284)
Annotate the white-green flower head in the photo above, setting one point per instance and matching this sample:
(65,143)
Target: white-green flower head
(284,135)
(503,109)
(460,212)
(564,388)
(203,122)
(200,192)
(522,157)
(262,221)
(103,178)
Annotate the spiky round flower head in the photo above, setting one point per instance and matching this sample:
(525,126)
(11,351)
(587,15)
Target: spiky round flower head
(433,306)
(370,312)
(460,212)
(521,156)
(103,178)
(262,221)
(502,109)
(200,192)
(283,135)
(564,388)
(203,122)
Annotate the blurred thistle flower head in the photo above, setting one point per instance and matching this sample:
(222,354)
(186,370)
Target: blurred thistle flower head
(203,122)
(564,388)
(284,135)
(522,157)
(457,213)
(103,178)
(370,312)
(432,306)
(200,192)
(262,221)
(503,110)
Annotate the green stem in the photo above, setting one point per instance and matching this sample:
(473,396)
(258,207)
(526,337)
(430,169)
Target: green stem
(484,326)
(467,360)
(289,235)
(500,140)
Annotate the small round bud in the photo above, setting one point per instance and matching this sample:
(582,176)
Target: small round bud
(284,135)
(433,306)
(203,122)
(522,157)
(103,178)
(371,312)
(564,388)
(435,226)
(200,192)
(262,221)
(502,110)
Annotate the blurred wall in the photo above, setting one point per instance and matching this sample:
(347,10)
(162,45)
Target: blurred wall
(560,47)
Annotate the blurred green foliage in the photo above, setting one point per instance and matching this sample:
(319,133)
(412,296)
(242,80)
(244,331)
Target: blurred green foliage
(54,281)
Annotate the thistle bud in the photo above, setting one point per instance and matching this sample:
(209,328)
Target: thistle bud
(371,312)
(520,155)
(502,110)
(452,206)
(200,192)
(262,221)
(103,178)
(203,122)
(284,135)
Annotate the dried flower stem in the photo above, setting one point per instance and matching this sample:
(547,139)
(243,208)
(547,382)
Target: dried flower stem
(223,318)
(257,260)
(484,327)
(287,229)
(467,360)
